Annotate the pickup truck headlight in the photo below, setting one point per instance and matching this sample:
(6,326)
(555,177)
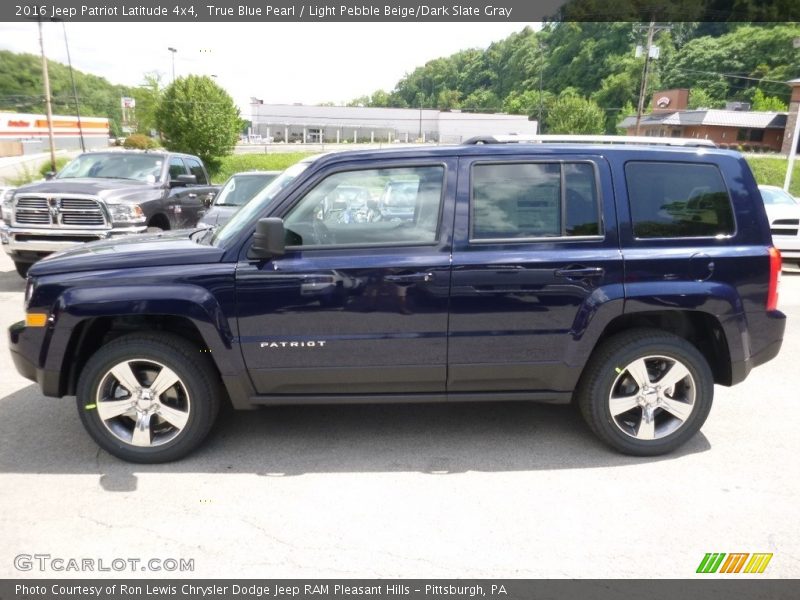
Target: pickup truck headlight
(126,213)
(7,207)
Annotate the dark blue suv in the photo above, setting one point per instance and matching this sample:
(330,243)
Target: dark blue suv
(629,279)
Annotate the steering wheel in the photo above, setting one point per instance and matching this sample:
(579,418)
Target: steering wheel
(322,235)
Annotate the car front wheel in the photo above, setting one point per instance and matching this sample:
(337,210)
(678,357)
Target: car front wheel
(148,398)
(646,392)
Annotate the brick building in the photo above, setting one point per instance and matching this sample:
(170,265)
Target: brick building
(734,128)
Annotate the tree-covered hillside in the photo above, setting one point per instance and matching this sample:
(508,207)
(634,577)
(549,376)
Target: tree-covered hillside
(21,89)
(527,72)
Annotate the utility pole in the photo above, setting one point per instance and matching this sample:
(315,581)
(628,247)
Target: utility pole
(47,101)
(651,31)
(74,88)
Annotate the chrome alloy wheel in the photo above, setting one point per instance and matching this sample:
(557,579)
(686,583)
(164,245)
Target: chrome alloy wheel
(143,403)
(652,397)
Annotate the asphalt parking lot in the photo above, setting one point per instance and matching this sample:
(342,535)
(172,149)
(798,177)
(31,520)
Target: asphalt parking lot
(483,490)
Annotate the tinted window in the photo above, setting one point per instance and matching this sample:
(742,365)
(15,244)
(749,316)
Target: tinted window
(369,207)
(526,200)
(670,200)
(196,169)
(176,167)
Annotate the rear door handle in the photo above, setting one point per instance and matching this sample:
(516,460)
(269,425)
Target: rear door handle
(410,278)
(192,195)
(580,272)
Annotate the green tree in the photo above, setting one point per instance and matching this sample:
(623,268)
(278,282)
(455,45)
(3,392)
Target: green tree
(199,117)
(572,114)
(700,98)
(482,100)
(448,99)
(148,97)
(767,103)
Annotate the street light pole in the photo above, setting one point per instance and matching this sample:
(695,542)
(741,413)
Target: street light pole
(173,51)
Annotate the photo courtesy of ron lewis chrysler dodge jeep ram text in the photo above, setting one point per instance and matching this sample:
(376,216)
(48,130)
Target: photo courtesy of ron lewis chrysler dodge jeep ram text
(625,277)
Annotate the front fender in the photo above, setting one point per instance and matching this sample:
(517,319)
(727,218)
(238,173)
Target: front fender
(194,303)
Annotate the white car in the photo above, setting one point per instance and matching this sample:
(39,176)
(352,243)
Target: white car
(783,211)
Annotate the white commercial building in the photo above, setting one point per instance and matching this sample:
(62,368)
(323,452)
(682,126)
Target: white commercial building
(353,124)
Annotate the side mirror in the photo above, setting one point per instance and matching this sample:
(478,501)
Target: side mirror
(269,239)
(49,175)
(183,180)
(208,199)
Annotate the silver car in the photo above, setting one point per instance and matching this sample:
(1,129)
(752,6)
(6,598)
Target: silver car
(783,212)
(237,191)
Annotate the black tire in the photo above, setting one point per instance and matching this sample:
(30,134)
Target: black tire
(22,268)
(607,371)
(198,387)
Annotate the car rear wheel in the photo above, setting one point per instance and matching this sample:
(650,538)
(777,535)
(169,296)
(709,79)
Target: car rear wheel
(646,392)
(148,398)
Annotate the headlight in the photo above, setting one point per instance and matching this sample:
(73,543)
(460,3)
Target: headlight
(29,287)
(7,207)
(126,213)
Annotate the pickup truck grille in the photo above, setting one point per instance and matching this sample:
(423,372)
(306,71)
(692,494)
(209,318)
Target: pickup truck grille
(56,211)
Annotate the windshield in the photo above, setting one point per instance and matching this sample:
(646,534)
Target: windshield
(138,167)
(257,205)
(771,196)
(239,189)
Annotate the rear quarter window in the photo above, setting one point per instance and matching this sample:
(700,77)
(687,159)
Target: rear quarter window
(678,200)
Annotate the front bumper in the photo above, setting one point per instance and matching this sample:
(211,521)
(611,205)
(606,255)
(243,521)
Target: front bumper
(25,344)
(789,245)
(36,242)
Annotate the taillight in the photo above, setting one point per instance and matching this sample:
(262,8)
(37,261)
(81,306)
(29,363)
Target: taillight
(774,277)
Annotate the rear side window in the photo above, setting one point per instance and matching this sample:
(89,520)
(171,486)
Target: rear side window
(196,169)
(675,200)
(534,200)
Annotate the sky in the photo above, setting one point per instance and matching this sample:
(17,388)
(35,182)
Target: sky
(276,62)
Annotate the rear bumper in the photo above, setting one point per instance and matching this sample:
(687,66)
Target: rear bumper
(766,338)
(30,244)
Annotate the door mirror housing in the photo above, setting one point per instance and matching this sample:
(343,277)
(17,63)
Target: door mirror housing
(49,175)
(208,199)
(183,180)
(269,239)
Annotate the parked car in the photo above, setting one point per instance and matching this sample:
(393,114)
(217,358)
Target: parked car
(100,195)
(397,200)
(536,272)
(783,211)
(237,191)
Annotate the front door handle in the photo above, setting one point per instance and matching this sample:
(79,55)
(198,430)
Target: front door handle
(410,278)
(580,272)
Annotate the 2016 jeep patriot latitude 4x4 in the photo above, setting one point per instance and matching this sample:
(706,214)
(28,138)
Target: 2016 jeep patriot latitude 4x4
(629,278)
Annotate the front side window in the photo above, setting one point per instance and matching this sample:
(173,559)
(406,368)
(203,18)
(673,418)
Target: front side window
(675,200)
(534,200)
(374,206)
(176,167)
(196,169)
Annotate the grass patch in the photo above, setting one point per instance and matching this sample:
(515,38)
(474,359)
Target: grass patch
(256,162)
(770,170)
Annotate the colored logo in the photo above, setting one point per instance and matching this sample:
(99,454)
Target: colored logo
(741,562)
